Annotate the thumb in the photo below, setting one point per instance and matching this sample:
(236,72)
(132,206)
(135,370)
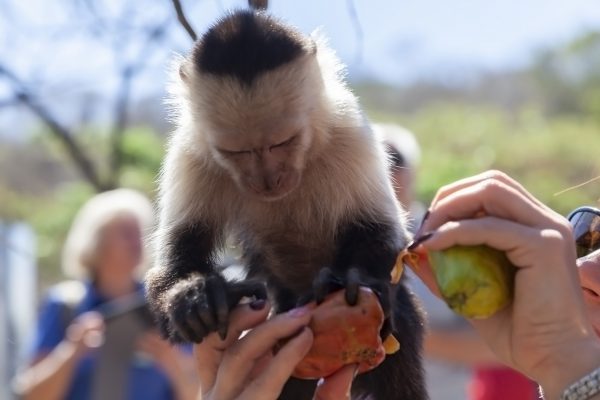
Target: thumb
(337,386)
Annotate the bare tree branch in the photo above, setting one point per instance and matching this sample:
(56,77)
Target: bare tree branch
(128,74)
(85,165)
(258,4)
(183,20)
(9,102)
(357,28)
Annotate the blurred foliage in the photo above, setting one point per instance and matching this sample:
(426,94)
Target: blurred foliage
(545,155)
(50,212)
(540,124)
(568,76)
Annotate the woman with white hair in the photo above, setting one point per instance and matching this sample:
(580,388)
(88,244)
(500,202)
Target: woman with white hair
(94,338)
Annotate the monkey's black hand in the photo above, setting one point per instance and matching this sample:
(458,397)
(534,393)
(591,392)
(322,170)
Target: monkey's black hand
(201,305)
(327,281)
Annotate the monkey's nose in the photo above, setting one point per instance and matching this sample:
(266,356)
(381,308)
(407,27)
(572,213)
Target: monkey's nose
(273,182)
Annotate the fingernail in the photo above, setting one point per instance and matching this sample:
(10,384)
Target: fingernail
(418,240)
(349,388)
(355,372)
(258,304)
(298,312)
(425,216)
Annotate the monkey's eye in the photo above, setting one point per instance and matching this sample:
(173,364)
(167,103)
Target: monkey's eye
(233,153)
(283,144)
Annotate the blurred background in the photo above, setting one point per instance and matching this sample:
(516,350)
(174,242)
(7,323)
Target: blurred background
(511,85)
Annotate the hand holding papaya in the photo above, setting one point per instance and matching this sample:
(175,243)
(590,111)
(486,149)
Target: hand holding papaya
(543,327)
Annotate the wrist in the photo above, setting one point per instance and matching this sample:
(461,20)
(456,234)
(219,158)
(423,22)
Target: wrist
(568,366)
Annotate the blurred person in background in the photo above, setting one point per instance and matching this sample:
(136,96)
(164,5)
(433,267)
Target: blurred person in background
(95,339)
(405,155)
(458,364)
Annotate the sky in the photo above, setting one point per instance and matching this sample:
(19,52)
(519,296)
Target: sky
(402,40)
(405,39)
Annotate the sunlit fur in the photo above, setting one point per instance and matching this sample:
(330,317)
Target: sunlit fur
(341,166)
(272,150)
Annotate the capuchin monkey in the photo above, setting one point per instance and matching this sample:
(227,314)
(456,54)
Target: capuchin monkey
(272,149)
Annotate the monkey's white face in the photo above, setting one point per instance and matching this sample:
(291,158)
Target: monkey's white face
(265,166)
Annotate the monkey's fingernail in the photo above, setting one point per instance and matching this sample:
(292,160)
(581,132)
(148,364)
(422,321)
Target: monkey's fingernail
(223,333)
(298,312)
(419,240)
(258,304)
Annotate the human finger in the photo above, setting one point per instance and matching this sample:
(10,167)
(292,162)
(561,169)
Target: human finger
(500,176)
(424,272)
(338,385)
(209,352)
(498,233)
(492,198)
(523,245)
(239,359)
(87,331)
(269,384)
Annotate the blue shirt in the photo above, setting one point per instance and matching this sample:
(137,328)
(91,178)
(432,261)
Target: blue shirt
(146,381)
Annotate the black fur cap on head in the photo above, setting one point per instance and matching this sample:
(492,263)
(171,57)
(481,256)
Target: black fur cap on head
(245,44)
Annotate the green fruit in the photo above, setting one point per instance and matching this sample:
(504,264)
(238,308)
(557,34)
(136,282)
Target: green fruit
(475,281)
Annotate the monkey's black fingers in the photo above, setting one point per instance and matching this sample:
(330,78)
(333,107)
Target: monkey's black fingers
(201,320)
(322,284)
(249,288)
(216,293)
(304,300)
(382,290)
(185,329)
(386,329)
(353,283)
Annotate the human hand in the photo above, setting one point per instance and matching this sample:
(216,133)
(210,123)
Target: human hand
(86,332)
(246,368)
(167,357)
(546,325)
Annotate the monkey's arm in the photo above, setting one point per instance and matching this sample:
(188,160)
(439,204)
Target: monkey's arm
(366,251)
(188,295)
(370,245)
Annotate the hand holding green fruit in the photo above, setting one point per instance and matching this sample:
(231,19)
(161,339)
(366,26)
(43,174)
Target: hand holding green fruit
(475,281)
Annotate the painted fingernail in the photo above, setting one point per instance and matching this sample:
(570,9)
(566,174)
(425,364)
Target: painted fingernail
(298,312)
(258,304)
(425,216)
(419,240)
(349,388)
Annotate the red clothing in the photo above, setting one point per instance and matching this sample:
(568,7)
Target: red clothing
(501,383)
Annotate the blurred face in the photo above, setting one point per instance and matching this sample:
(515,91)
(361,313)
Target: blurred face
(402,177)
(586,229)
(120,247)
(402,180)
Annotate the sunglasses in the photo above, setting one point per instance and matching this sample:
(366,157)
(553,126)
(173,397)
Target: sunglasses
(586,229)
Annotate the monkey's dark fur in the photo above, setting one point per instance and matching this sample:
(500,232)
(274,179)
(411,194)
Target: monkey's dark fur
(272,149)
